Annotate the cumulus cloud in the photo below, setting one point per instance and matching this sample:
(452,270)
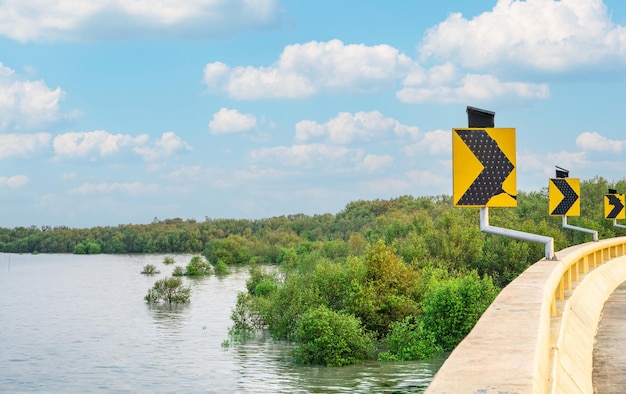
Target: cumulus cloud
(346,128)
(14,182)
(23,145)
(306,69)
(27,105)
(472,88)
(544,163)
(231,121)
(592,141)
(168,145)
(133,189)
(99,142)
(438,142)
(49,20)
(373,163)
(545,35)
(305,155)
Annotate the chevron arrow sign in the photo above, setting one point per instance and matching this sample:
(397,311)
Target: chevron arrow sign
(614,206)
(483,167)
(564,199)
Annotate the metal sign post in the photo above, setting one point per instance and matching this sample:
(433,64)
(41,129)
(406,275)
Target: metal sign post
(484,175)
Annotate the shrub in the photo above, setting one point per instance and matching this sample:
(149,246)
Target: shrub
(87,247)
(198,266)
(329,338)
(169,290)
(409,339)
(150,269)
(221,268)
(452,308)
(178,271)
(168,260)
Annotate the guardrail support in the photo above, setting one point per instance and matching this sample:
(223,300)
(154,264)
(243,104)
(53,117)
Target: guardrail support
(617,225)
(584,230)
(519,235)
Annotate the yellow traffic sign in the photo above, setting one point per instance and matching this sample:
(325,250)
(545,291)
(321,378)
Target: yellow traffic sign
(564,196)
(614,206)
(483,167)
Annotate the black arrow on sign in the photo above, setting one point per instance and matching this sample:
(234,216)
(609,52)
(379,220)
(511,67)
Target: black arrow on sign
(617,206)
(497,168)
(569,196)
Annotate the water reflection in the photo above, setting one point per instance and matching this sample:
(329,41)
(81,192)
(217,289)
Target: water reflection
(168,316)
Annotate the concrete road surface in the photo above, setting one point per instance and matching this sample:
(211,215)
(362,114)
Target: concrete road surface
(609,352)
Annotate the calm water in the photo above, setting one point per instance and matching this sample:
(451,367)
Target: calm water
(80,324)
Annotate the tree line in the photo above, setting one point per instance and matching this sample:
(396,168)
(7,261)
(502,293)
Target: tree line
(396,279)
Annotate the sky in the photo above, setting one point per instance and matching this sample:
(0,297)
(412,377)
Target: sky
(121,111)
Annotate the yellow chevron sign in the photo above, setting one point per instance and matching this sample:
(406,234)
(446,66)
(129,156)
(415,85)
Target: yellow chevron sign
(614,206)
(483,167)
(564,197)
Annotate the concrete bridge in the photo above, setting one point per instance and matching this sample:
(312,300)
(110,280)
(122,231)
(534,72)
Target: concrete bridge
(538,335)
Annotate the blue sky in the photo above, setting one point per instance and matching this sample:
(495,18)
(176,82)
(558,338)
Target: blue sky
(119,111)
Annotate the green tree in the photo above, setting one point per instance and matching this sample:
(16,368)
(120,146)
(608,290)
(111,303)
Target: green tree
(452,307)
(329,338)
(410,339)
(198,266)
(150,269)
(168,290)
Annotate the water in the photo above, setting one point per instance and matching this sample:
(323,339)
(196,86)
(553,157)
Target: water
(80,324)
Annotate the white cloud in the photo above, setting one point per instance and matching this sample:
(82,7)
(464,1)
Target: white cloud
(133,189)
(346,128)
(23,145)
(438,142)
(473,88)
(231,121)
(168,145)
(305,155)
(82,144)
(541,34)
(49,20)
(27,105)
(592,141)
(315,67)
(14,182)
(100,143)
(373,163)
(306,69)
(545,163)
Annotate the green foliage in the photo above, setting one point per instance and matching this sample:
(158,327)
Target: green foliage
(326,337)
(198,266)
(178,271)
(168,290)
(410,339)
(452,307)
(87,247)
(150,269)
(169,260)
(221,268)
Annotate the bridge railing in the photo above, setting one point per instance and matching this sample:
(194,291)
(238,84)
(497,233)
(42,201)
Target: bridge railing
(530,337)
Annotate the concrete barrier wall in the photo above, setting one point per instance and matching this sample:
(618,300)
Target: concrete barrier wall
(573,354)
(509,349)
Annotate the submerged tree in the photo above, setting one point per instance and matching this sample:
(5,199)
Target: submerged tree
(198,266)
(168,290)
(150,269)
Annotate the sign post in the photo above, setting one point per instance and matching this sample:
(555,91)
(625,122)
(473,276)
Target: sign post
(564,199)
(614,204)
(484,175)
